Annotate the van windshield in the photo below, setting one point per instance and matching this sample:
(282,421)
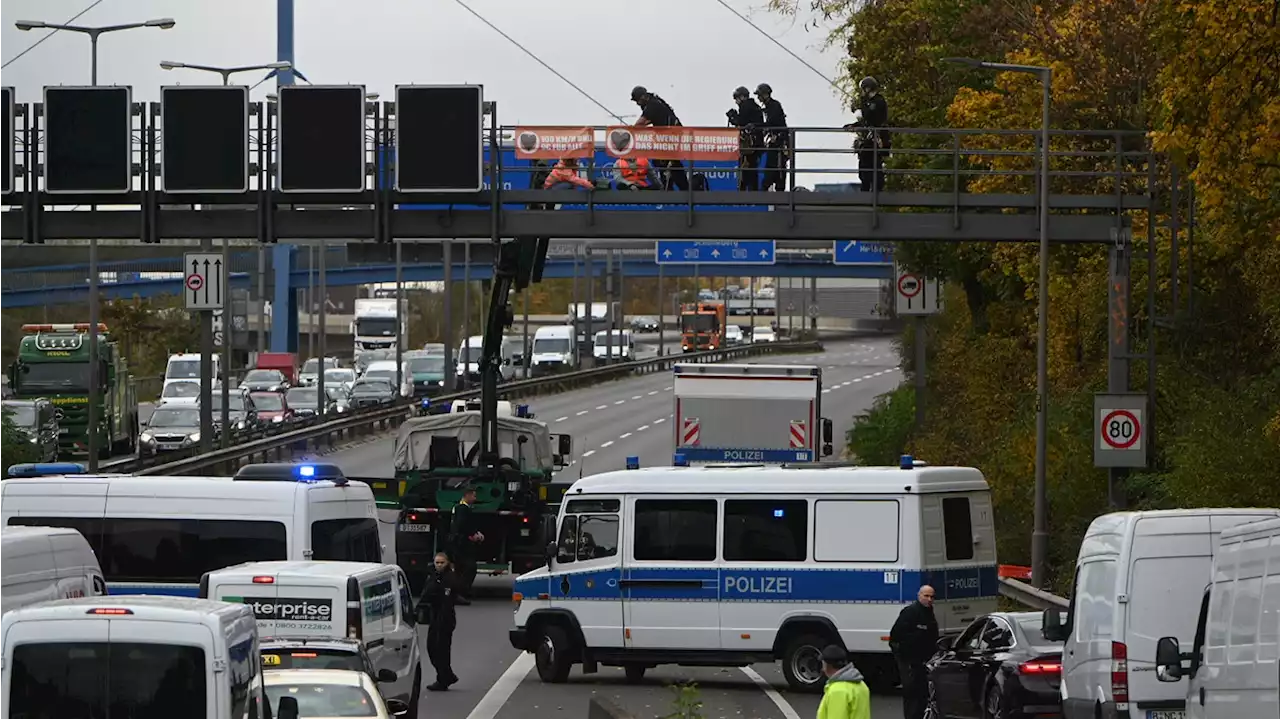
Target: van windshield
(183,369)
(22,415)
(99,679)
(551,346)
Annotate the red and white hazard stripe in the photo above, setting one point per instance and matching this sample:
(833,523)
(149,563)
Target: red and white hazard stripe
(690,433)
(799,437)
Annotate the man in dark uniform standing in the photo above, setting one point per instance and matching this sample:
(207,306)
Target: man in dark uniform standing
(656,112)
(777,139)
(914,640)
(463,539)
(872,140)
(748,117)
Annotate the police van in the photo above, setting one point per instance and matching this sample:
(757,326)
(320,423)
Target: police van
(44,563)
(356,600)
(733,565)
(159,535)
(131,656)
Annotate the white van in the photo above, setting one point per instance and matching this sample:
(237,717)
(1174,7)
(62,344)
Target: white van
(1235,657)
(357,600)
(509,355)
(623,347)
(40,564)
(131,656)
(1139,577)
(186,367)
(386,369)
(734,565)
(555,349)
(159,535)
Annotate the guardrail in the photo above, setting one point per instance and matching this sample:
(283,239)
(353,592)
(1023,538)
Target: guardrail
(323,433)
(1027,595)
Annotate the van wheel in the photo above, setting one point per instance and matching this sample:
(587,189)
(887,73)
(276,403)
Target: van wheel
(802,663)
(416,694)
(635,672)
(552,655)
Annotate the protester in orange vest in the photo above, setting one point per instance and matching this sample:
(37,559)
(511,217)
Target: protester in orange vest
(565,175)
(634,174)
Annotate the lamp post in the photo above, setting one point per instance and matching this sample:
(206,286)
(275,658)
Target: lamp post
(1040,531)
(95,392)
(225,72)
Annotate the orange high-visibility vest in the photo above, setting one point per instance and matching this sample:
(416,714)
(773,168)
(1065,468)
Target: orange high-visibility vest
(637,174)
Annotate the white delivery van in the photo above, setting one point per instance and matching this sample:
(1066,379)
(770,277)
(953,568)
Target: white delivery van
(132,656)
(357,600)
(1139,577)
(732,565)
(1235,657)
(40,564)
(509,355)
(186,367)
(623,348)
(158,535)
(555,349)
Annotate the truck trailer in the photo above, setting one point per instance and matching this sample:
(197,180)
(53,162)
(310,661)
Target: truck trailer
(769,414)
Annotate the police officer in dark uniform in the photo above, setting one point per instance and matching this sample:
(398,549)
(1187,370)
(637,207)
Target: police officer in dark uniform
(656,112)
(750,119)
(435,609)
(913,641)
(462,542)
(777,139)
(872,140)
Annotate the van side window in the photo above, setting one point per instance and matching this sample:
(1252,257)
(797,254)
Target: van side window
(241,663)
(675,530)
(856,530)
(346,540)
(957,528)
(568,541)
(1244,621)
(1269,631)
(766,530)
(406,601)
(597,536)
(91,529)
(1095,592)
(1221,597)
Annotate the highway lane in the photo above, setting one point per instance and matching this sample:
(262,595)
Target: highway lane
(497,682)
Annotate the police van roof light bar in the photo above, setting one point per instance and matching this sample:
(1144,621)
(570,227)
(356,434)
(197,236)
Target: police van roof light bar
(46,469)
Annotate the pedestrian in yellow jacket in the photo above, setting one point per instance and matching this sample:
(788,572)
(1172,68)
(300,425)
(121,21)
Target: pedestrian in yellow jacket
(845,696)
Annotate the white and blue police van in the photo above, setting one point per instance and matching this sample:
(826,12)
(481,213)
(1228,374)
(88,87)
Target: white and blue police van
(732,565)
(131,656)
(160,535)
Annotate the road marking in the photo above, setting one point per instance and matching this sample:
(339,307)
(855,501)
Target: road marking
(783,706)
(561,419)
(603,406)
(501,691)
(583,412)
(845,384)
(660,420)
(826,391)
(666,389)
(859,379)
(642,428)
(624,435)
(653,393)
(636,397)
(621,401)
(607,444)
(588,453)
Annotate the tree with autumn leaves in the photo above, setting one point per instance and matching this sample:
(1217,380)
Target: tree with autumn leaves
(1201,79)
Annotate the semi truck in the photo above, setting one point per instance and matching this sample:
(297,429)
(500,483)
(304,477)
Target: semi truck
(770,414)
(375,326)
(748,306)
(702,326)
(53,362)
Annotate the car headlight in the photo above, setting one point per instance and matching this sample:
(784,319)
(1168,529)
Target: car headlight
(34,440)
(193,438)
(277,419)
(146,437)
(240,424)
(440,383)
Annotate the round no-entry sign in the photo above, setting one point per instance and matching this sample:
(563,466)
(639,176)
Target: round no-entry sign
(195,282)
(1120,429)
(909,285)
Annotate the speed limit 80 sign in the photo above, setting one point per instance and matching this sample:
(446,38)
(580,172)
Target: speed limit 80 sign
(1120,431)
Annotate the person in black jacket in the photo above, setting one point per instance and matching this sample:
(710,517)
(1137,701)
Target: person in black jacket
(777,139)
(654,111)
(913,641)
(436,607)
(749,118)
(463,540)
(872,140)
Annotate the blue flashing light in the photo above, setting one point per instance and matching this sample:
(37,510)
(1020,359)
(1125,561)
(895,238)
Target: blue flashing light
(907,462)
(306,470)
(679,460)
(46,469)
(778,514)
(522,410)
(426,402)
(633,463)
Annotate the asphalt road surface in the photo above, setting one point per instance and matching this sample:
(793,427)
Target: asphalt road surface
(608,423)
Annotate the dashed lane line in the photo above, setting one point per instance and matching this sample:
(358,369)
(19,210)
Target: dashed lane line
(624,435)
(588,453)
(603,406)
(561,419)
(606,444)
(621,401)
(636,397)
(642,428)
(583,412)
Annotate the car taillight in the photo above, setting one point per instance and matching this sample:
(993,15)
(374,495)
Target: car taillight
(354,628)
(1041,667)
(1119,673)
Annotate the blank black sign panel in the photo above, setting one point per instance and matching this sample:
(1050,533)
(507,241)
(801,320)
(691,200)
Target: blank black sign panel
(440,139)
(6,97)
(322,147)
(204,141)
(87,139)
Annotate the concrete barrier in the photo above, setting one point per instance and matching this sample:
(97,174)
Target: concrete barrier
(599,708)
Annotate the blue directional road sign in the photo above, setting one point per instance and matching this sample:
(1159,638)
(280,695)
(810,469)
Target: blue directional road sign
(729,252)
(855,252)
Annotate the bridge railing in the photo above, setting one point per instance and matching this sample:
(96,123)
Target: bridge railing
(1029,596)
(323,434)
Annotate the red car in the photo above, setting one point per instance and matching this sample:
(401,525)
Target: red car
(273,410)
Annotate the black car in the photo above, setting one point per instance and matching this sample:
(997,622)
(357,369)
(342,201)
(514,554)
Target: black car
(370,393)
(1000,667)
(305,401)
(37,420)
(241,412)
(644,324)
(264,380)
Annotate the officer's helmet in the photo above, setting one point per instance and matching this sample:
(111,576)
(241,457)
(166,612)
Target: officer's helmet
(868,85)
(764,89)
(638,92)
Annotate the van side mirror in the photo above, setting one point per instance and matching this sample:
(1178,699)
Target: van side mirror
(827,433)
(552,551)
(1052,626)
(288,708)
(1168,660)
(386,676)
(397,707)
(828,450)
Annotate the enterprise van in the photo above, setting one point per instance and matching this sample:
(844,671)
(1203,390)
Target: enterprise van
(159,535)
(357,600)
(1235,658)
(131,657)
(45,563)
(1139,576)
(732,565)
(615,345)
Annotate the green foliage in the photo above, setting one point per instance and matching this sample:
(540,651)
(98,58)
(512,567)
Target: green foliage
(16,449)
(880,437)
(686,702)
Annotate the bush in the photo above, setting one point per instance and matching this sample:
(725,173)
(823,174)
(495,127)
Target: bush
(880,437)
(17,449)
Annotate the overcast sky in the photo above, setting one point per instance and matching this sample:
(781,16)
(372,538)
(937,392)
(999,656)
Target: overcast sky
(692,52)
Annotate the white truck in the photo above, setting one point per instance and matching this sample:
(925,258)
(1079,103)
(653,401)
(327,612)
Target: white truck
(375,326)
(769,414)
(747,306)
(593,318)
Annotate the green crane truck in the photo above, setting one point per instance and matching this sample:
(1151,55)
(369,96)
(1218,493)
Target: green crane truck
(53,362)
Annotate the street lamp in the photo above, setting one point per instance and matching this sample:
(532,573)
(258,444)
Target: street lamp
(95,391)
(1040,530)
(225,72)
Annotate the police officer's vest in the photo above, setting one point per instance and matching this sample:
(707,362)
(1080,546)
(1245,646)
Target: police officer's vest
(637,173)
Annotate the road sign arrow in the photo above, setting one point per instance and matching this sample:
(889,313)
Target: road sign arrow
(764,254)
(666,253)
(715,253)
(850,246)
(206,284)
(217,268)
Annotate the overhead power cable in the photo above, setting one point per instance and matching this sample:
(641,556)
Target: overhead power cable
(784,48)
(49,34)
